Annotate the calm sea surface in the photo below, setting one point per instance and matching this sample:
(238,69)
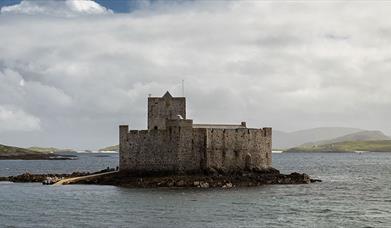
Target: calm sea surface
(355,192)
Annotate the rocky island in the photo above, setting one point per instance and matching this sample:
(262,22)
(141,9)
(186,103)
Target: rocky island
(244,179)
(164,180)
(175,152)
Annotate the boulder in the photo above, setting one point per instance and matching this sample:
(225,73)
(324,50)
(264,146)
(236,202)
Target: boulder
(180,183)
(204,184)
(228,185)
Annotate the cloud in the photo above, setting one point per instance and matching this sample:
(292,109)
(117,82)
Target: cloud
(13,119)
(66,8)
(286,65)
(35,96)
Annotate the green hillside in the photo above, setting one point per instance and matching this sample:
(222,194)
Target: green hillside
(11,150)
(349,146)
(43,149)
(357,136)
(110,148)
(48,149)
(292,139)
(17,153)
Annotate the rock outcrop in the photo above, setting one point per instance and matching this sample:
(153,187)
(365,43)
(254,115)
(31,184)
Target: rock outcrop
(207,180)
(210,180)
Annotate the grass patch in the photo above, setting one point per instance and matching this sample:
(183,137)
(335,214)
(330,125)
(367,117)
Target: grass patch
(349,146)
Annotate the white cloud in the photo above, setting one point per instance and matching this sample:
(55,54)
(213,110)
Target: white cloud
(33,95)
(13,119)
(56,8)
(286,65)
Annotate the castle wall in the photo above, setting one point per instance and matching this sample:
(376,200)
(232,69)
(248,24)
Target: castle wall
(160,150)
(145,150)
(188,158)
(238,149)
(198,144)
(181,148)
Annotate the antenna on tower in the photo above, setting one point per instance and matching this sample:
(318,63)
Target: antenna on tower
(183,88)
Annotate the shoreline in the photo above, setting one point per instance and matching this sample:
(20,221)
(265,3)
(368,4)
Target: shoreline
(332,152)
(38,157)
(315,152)
(132,180)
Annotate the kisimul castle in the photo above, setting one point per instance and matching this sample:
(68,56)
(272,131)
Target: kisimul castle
(175,144)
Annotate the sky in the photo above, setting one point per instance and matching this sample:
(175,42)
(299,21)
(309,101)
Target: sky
(71,71)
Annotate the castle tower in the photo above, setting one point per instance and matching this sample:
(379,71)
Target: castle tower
(165,108)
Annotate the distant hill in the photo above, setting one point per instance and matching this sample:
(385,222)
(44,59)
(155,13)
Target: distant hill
(283,140)
(110,148)
(349,146)
(17,153)
(358,136)
(10,152)
(48,149)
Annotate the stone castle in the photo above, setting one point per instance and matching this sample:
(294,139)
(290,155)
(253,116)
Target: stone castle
(175,144)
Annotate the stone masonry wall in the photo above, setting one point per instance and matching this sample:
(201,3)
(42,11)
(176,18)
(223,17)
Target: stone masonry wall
(237,149)
(199,147)
(181,148)
(162,108)
(151,151)
(160,150)
(188,159)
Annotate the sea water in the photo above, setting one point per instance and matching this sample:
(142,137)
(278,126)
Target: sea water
(355,192)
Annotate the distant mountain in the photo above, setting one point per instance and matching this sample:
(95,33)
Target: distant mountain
(110,148)
(283,140)
(358,136)
(11,152)
(17,153)
(349,146)
(48,149)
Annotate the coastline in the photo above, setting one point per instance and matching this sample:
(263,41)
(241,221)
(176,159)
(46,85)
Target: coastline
(314,152)
(133,180)
(38,157)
